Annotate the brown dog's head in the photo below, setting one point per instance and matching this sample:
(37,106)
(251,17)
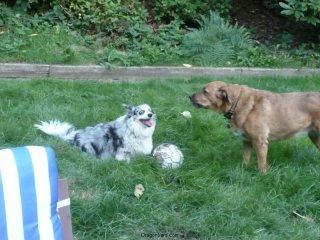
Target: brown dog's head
(217,96)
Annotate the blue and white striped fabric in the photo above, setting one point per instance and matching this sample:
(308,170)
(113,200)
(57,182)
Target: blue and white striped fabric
(29,194)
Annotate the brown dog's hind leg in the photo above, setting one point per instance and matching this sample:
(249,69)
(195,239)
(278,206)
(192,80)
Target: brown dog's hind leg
(261,147)
(247,147)
(315,136)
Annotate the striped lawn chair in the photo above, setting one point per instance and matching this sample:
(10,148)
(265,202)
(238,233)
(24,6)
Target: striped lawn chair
(29,196)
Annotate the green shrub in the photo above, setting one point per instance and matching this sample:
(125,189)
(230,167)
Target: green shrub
(32,5)
(141,46)
(108,16)
(188,10)
(216,42)
(19,20)
(166,36)
(9,20)
(261,56)
(302,10)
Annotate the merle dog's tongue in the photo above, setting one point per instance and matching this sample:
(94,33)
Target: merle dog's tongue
(147,122)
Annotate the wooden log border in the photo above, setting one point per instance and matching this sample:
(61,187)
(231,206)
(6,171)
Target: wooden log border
(95,72)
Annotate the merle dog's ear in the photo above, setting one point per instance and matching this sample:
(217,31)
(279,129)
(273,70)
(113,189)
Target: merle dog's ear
(129,109)
(126,106)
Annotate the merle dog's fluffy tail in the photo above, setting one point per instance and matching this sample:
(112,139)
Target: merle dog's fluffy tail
(63,130)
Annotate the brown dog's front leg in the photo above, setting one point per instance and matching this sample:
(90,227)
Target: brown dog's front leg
(261,147)
(247,147)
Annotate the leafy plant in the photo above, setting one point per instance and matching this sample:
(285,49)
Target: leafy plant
(108,16)
(170,35)
(216,41)
(143,45)
(259,57)
(307,53)
(32,5)
(187,10)
(285,40)
(11,43)
(165,36)
(302,10)
(113,57)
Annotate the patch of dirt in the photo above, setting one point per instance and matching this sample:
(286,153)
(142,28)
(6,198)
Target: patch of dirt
(268,25)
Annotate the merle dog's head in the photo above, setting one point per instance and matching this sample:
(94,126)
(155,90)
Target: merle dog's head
(142,113)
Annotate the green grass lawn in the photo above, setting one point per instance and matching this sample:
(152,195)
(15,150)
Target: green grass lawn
(210,197)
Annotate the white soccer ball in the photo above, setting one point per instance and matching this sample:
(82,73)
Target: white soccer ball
(169,155)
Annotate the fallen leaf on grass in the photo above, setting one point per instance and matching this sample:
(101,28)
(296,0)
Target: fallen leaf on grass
(138,191)
(186,114)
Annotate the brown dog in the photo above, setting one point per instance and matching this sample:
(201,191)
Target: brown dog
(262,116)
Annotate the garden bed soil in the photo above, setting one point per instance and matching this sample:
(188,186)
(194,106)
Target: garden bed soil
(267,25)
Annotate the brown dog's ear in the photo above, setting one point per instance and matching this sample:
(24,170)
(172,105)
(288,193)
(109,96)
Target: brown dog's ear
(222,94)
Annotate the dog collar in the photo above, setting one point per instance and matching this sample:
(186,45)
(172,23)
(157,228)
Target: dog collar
(228,115)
